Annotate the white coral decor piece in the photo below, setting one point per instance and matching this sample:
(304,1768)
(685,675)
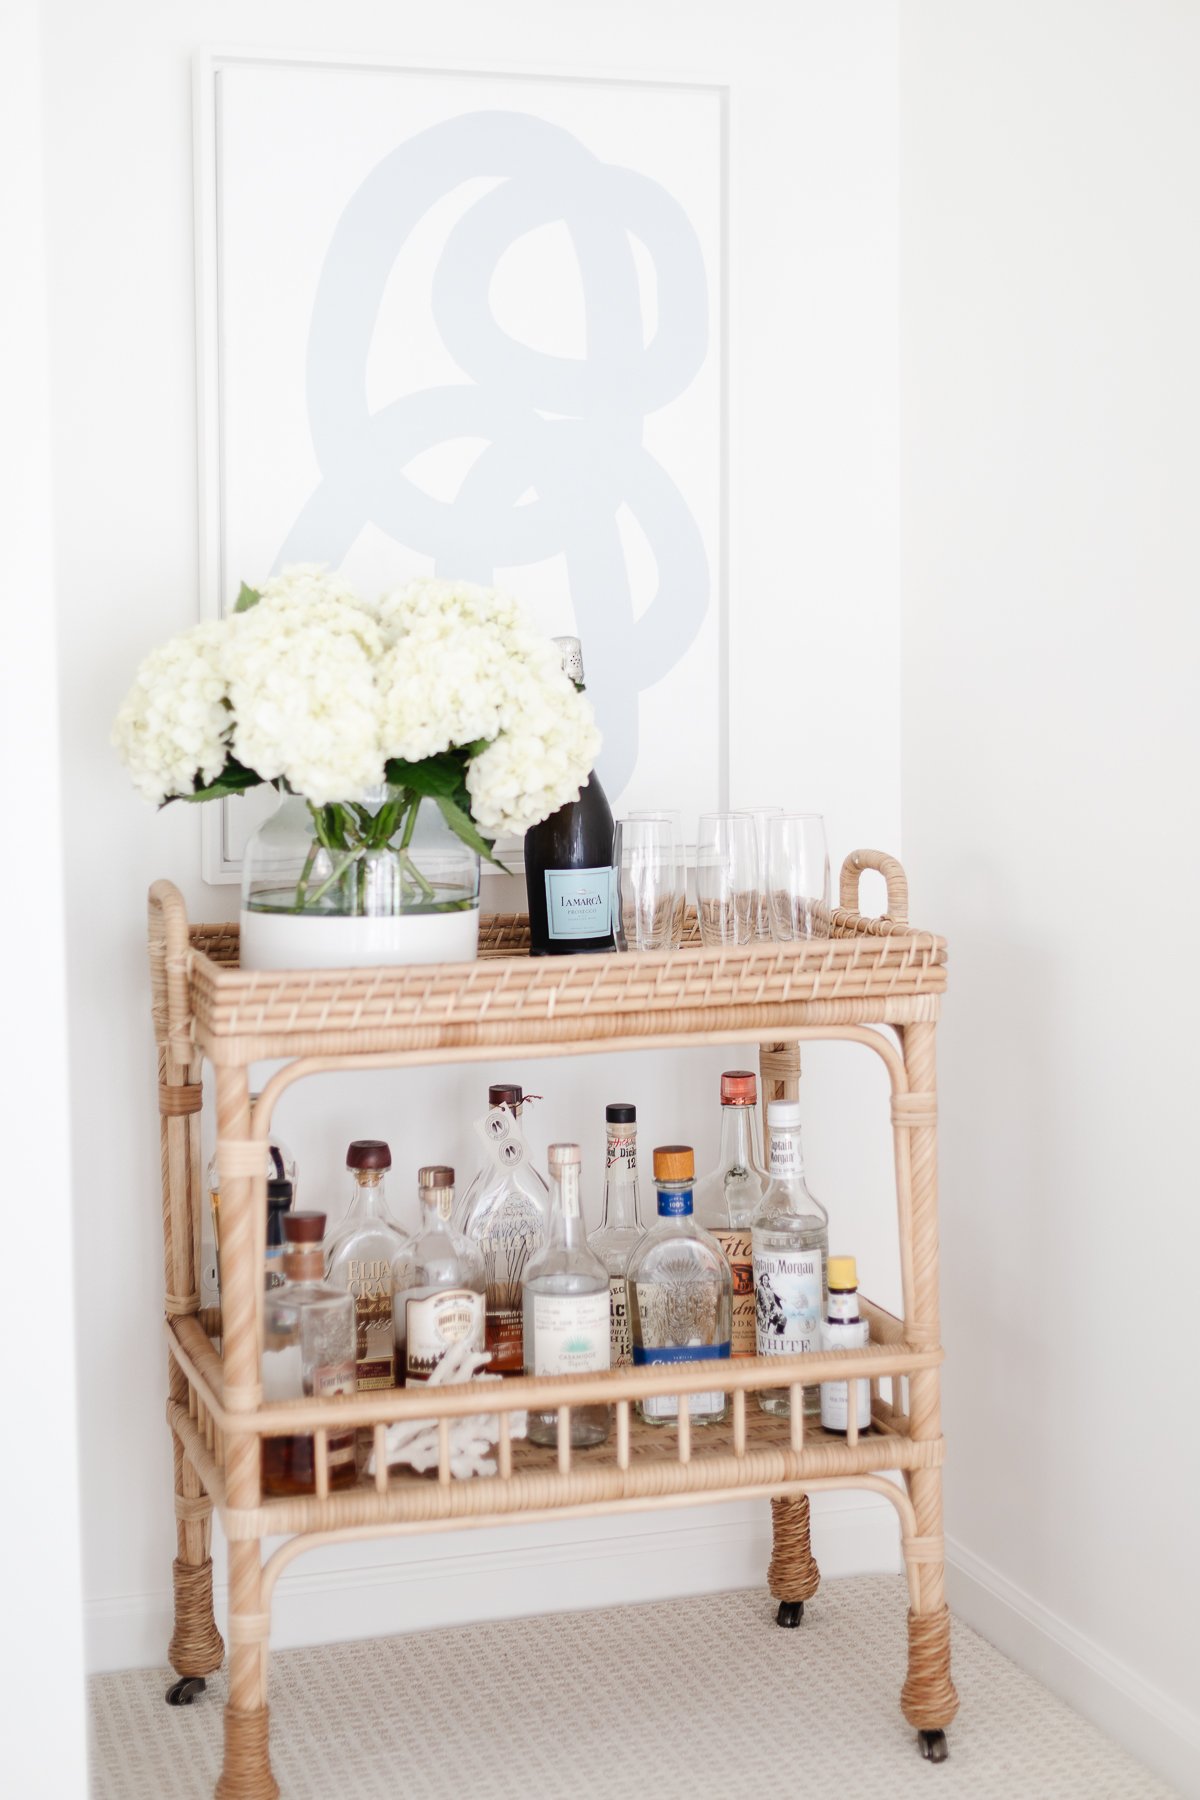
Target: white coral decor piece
(415,1441)
(440,689)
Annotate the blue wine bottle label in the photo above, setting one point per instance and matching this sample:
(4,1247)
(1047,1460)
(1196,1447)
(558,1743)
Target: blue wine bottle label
(656,1353)
(579,903)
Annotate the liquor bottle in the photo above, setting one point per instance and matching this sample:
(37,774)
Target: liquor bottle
(727,1197)
(680,1290)
(359,1258)
(438,1290)
(844,1330)
(569,862)
(566,1307)
(621,1230)
(790,1237)
(280,1166)
(308,1349)
(505,1212)
(279,1201)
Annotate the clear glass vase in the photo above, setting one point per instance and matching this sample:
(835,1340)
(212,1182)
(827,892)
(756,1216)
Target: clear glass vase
(341,888)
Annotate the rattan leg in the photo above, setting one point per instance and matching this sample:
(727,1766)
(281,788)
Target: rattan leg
(246,1771)
(793,1576)
(196,1648)
(928,1699)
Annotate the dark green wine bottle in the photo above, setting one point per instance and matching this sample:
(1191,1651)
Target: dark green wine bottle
(569,862)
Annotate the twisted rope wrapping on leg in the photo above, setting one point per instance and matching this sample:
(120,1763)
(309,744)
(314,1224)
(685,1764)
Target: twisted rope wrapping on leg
(246,1771)
(196,1647)
(793,1574)
(928,1699)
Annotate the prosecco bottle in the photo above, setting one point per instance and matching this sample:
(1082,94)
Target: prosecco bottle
(569,862)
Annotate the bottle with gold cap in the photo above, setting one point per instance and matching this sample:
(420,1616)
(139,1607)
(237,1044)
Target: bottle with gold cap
(727,1197)
(566,1307)
(844,1330)
(438,1285)
(680,1291)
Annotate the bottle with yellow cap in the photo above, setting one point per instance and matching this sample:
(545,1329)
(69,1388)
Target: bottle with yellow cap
(844,1330)
(680,1291)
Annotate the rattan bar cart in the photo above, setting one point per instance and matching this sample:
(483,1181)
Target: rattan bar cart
(869,972)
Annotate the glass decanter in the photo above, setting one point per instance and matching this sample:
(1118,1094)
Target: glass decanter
(359,1259)
(505,1211)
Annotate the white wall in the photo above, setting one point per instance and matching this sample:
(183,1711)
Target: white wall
(41,1667)
(1051,390)
(815,466)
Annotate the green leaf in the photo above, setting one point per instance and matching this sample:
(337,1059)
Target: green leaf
(464,826)
(233,779)
(247,597)
(435,776)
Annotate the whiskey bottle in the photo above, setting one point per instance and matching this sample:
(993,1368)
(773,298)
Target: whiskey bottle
(359,1259)
(566,1307)
(569,862)
(308,1350)
(790,1237)
(505,1212)
(844,1330)
(727,1197)
(620,1230)
(438,1288)
(680,1290)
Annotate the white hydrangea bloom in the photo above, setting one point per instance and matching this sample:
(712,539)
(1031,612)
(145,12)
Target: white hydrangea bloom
(301,672)
(173,723)
(539,762)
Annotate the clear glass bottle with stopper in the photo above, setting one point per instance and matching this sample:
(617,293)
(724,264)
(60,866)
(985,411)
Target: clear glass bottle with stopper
(308,1350)
(620,1230)
(680,1291)
(566,1307)
(845,1329)
(359,1259)
(505,1211)
(438,1286)
(569,862)
(727,1197)
(790,1237)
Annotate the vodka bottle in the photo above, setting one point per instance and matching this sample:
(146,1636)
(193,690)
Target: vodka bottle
(844,1330)
(438,1287)
(566,1307)
(621,1229)
(790,1237)
(359,1259)
(569,862)
(505,1212)
(727,1197)
(308,1349)
(679,1290)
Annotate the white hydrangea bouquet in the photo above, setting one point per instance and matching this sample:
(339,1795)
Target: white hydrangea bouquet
(441,690)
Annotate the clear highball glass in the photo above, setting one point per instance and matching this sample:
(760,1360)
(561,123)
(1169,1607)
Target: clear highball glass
(646,855)
(798,874)
(726,878)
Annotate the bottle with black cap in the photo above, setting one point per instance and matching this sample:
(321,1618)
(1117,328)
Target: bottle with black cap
(279,1202)
(620,1230)
(359,1259)
(569,862)
(505,1210)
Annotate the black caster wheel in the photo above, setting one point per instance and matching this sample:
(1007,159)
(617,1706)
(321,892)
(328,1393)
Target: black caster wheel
(934,1747)
(185,1690)
(790,1614)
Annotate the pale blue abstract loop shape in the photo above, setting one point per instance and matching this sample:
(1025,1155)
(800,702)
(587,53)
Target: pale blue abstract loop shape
(544,486)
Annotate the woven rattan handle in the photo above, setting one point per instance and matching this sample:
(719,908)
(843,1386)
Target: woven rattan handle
(893,874)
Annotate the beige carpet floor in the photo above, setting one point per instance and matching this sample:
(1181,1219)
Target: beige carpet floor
(701,1699)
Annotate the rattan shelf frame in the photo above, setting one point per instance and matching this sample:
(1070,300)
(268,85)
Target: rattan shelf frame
(870,972)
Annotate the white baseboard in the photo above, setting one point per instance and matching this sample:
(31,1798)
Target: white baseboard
(1149,1724)
(379,1588)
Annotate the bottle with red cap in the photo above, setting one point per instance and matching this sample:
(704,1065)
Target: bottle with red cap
(727,1197)
(360,1257)
(506,1211)
(308,1351)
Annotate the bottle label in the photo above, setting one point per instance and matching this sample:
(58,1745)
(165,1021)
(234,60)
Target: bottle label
(785,1153)
(674,1205)
(435,1323)
(371,1285)
(736,1248)
(839,1336)
(666,1406)
(504,1337)
(621,1150)
(621,1344)
(501,1132)
(579,903)
(570,1333)
(788,1295)
(329,1379)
